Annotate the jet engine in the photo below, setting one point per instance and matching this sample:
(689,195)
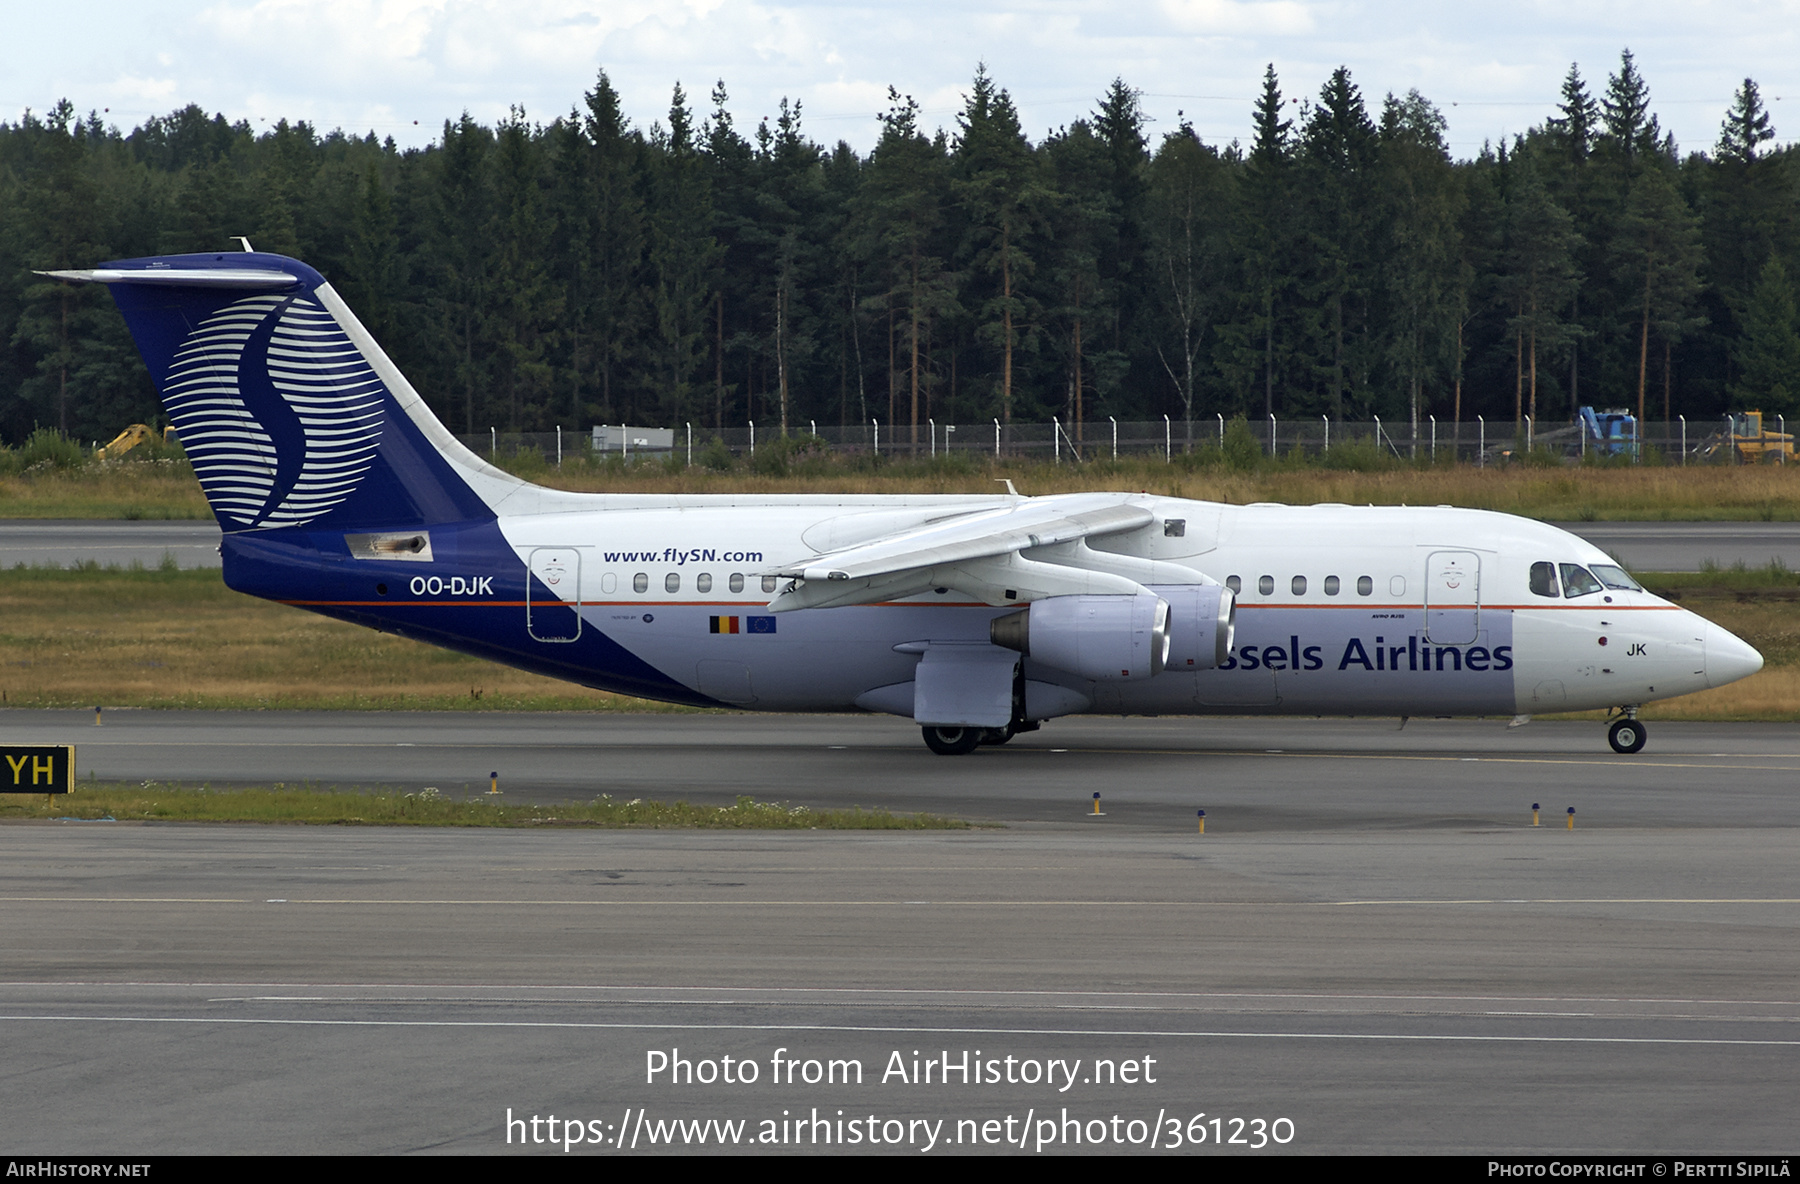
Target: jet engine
(1202,622)
(1105,638)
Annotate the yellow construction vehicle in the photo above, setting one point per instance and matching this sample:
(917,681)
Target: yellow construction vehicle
(131,437)
(1754,443)
(1748,441)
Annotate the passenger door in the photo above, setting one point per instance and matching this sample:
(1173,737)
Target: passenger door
(1452,597)
(556,617)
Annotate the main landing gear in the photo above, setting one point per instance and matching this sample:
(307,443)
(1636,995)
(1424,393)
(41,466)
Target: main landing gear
(962,741)
(952,741)
(1627,735)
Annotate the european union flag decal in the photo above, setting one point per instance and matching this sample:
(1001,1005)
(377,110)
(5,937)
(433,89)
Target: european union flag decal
(759,624)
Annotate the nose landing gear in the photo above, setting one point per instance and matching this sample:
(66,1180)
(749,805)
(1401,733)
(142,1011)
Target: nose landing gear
(1627,734)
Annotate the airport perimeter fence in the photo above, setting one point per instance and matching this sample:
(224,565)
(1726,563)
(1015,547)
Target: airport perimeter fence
(1477,441)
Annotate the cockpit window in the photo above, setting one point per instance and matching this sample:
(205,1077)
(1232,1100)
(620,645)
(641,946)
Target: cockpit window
(1543,579)
(1577,581)
(1615,577)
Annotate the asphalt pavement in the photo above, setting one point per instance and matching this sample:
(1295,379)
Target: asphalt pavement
(1371,948)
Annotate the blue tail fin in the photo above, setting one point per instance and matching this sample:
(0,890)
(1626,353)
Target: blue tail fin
(290,412)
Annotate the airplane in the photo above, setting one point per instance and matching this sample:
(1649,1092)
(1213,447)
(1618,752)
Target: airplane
(977,617)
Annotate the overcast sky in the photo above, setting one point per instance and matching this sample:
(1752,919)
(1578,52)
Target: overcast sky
(401,67)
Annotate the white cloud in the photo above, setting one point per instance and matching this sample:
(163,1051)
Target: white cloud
(135,88)
(1493,65)
(1213,17)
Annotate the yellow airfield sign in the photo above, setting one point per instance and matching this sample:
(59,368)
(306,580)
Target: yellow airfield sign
(37,768)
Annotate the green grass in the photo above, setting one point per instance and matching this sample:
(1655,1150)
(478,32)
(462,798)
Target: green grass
(279,803)
(181,639)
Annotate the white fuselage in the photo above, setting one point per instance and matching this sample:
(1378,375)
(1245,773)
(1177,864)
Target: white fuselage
(1340,609)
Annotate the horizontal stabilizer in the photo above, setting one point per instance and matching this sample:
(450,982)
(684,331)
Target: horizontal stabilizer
(250,279)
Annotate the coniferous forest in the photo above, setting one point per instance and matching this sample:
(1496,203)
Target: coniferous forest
(1337,262)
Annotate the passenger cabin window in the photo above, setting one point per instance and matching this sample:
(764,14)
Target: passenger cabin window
(1397,586)
(1235,584)
(1365,586)
(737,581)
(640,582)
(1298,585)
(1331,585)
(1266,585)
(1543,580)
(703,582)
(672,582)
(1577,581)
(1615,577)
(768,583)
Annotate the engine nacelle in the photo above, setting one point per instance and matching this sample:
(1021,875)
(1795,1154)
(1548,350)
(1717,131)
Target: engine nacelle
(1202,625)
(1105,638)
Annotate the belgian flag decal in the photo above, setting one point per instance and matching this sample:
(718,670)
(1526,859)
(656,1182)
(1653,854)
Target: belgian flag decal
(742,624)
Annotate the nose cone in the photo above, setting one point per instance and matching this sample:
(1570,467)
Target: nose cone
(1728,658)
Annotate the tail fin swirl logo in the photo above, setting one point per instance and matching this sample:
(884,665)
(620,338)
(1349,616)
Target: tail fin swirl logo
(278,410)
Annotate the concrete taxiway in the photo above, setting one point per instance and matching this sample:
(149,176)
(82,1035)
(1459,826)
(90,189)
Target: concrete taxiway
(1370,941)
(68,542)
(1688,546)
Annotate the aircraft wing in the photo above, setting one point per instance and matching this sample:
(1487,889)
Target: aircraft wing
(975,553)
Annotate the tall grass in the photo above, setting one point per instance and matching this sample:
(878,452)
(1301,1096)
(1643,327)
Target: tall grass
(167,638)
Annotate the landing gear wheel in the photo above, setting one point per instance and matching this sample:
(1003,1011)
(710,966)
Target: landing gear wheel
(996,735)
(952,741)
(1626,736)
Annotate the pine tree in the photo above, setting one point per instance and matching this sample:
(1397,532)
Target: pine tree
(81,374)
(1541,275)
(526,304)
(461,236)
(1120,123)
(1189,251)
(1572,137)
(1746,126)
(1768,355)
(1625,111)
(1420,273)
(901,217)
(372,279)
(1339,149)
(1001,188)
(1265,227)
(682,255)
(1573,131)
(619,237)
(788,194)
(735,318)
(1658,248)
